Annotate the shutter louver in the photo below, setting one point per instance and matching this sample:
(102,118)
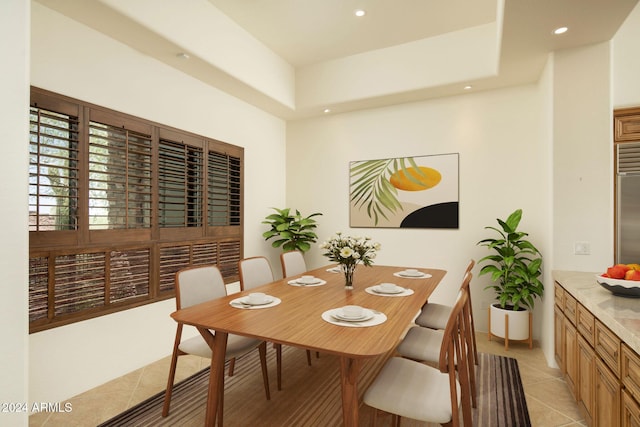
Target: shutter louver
(205,253)
(223,189)
(629,157)
(38,288)
(79,282)
(53,171)
(172,259)
(119,178)
(229,258)
(129,274)
(180,185)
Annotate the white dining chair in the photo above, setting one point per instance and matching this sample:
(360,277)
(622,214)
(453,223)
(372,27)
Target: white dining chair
(435,316)
(423,344)
(195,285)
(256,271)
(410,389)
(293,263)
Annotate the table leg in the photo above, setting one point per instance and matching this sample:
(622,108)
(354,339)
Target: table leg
(349,370)
(218,344)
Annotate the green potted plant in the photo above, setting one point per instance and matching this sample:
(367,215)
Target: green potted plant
(291,231)
(515,268)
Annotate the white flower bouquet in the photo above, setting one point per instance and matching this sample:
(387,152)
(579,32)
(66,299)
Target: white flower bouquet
(349,251)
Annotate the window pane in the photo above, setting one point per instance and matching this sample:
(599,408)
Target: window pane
(119,178)
(38,288)
(53,171)
(79,282)
(223,189)
(172,259)
(180,185)
(129,274)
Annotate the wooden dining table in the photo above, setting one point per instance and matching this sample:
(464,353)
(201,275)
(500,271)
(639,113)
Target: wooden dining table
(297,321)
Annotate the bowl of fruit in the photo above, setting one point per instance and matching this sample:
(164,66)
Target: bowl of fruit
(622,280)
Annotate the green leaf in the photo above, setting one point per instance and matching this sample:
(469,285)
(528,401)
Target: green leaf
(515,264)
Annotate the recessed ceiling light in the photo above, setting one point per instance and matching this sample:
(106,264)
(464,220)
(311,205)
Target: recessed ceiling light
(360,12)
(467,87)
(560,30)
(183,55)
(327,110)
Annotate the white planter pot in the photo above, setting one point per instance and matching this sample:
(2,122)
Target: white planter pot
(519,323)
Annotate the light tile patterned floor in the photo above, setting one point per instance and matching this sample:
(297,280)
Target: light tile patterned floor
(548,398)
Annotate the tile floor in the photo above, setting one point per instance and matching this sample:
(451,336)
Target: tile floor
(548,398)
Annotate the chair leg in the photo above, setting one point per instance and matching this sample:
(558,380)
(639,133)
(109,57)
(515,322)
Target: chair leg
(232,366)
(309,357)
(317,355)
(172,371)
(169,391)
(262,348)
(278,348)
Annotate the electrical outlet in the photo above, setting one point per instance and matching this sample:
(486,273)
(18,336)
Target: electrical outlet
(582,248)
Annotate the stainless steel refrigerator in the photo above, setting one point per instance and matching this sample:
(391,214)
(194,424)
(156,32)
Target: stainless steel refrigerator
(628,203)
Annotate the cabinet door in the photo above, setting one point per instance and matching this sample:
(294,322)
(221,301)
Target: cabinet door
(608,395)
(571,356)
(630,411)
(586,373)
(627,124)
(607,346)
(558,320)
(630,371)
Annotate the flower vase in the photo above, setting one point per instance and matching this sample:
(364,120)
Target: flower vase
(348,275)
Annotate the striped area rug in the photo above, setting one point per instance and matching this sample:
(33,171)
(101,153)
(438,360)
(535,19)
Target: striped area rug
(311,395)
(501,400)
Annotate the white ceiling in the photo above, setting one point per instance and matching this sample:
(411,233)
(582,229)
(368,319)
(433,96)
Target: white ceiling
(304,32)
(308,34)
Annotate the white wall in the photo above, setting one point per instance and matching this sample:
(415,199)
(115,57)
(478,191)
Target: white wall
(583,163)
(102,71)
(626,62)
(503,138)
(14,103)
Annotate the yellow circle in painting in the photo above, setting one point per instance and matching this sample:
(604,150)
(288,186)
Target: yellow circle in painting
(423,179)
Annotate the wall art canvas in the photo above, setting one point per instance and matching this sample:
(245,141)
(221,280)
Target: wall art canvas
(405,192)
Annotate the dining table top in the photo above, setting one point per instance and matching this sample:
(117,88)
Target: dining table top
(297,319)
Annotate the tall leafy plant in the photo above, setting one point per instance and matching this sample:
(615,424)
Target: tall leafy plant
(514,265)
(291,231)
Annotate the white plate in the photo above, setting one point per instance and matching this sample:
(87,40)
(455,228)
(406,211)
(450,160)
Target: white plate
(267,300)
(407,274)
(397,290)
(366,315)
(315,281)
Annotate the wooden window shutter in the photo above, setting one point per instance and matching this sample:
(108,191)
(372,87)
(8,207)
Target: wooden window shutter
(53,171)
(119,178)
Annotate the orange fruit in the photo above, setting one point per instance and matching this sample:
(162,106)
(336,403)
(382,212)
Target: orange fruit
(414,179)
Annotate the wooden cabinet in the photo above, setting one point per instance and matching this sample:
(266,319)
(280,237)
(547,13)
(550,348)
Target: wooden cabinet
(559,337)
(586,372)
(602,372)
(608,397)
(570,308)
(626,122)
(630,372)
(630,411)
(607,346)
(586,324)
(571,357)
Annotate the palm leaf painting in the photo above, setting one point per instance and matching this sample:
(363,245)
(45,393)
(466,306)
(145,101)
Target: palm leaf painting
(374,184)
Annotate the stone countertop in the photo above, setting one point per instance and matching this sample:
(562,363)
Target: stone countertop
(620,314)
